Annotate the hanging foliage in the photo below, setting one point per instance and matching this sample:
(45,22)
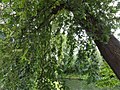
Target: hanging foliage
(39,38)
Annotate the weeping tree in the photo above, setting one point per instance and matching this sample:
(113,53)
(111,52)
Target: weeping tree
(37,33)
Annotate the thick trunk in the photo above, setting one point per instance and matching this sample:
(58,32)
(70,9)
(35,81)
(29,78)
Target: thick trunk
(111,53)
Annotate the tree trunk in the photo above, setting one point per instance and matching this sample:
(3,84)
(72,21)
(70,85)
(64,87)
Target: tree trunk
(111,54)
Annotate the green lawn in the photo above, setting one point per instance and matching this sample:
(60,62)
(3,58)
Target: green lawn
(80,85)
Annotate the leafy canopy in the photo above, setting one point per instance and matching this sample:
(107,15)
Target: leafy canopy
(38,34)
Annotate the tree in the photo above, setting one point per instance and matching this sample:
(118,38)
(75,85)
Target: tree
(34,38)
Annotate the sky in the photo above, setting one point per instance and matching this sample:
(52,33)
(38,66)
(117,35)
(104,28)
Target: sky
(118,30)
(116,34)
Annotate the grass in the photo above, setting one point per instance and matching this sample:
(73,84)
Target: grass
(82,85)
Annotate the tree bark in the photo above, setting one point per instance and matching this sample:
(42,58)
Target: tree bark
(111,53)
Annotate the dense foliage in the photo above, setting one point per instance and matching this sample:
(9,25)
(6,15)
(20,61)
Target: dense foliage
(43,39)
